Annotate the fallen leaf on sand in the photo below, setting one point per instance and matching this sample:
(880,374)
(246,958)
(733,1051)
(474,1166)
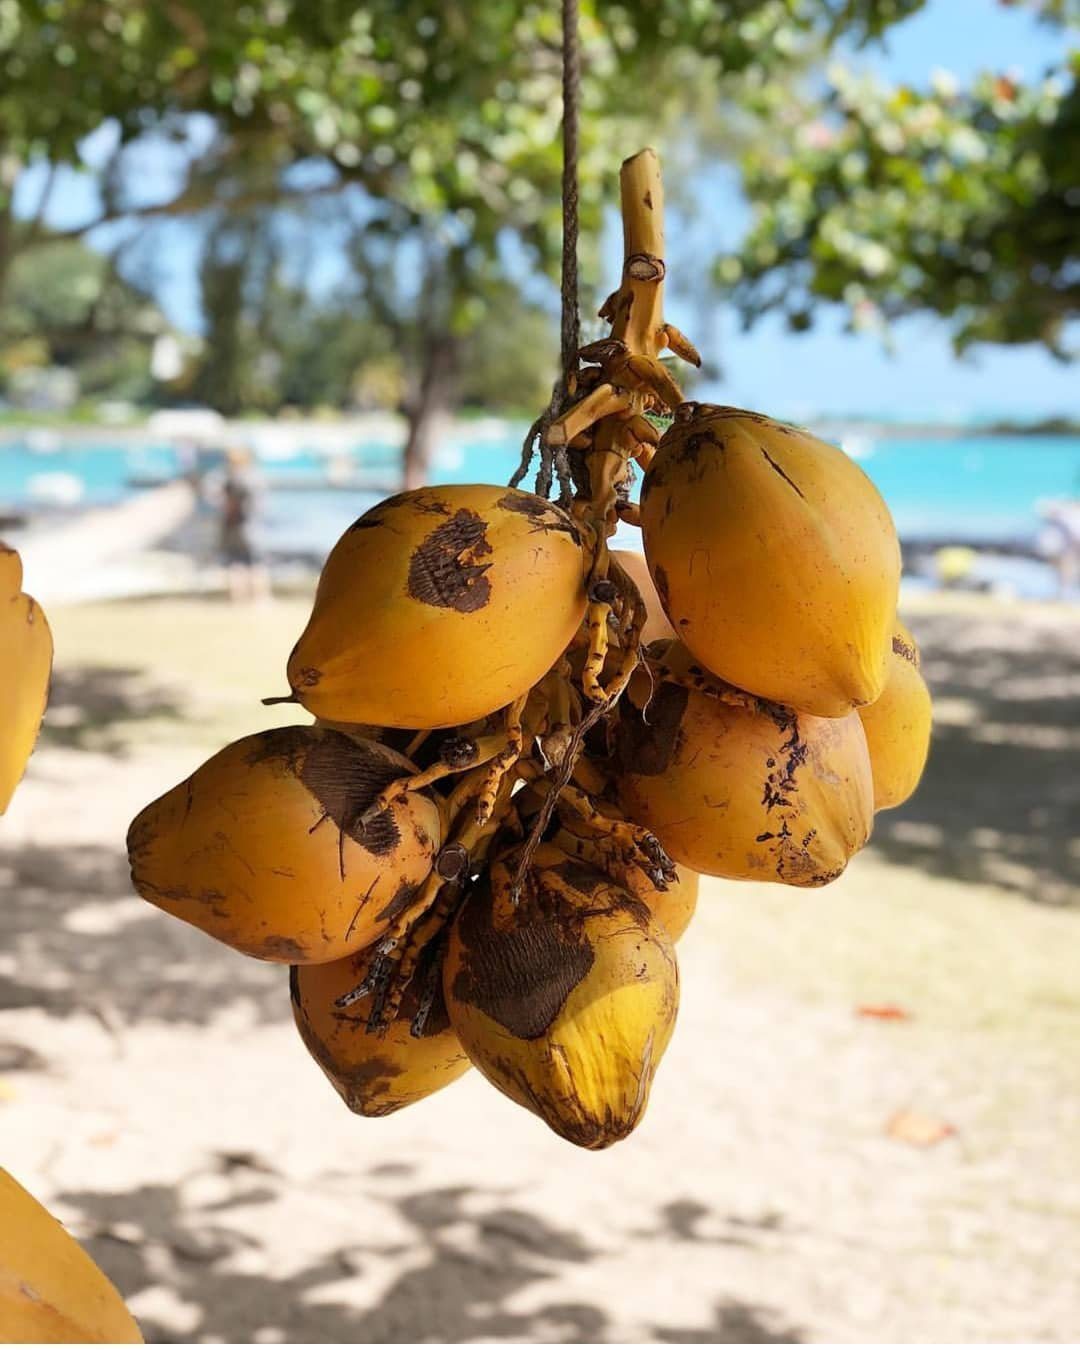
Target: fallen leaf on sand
(922,1131)
(885,1012)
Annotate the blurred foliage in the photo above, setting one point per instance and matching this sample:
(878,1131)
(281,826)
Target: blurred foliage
(448,109)
(271,343)
(960,202)
(65,305)
(64,290)
(426,132)
(509,360)
(403,78)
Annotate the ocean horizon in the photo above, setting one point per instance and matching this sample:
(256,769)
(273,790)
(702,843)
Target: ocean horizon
(953,486)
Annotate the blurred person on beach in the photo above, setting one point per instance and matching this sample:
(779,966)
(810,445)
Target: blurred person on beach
(236,498)
(1059,542)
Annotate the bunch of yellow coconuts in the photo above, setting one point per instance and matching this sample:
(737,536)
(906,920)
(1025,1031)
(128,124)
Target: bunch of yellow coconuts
(484,847)
(526,747)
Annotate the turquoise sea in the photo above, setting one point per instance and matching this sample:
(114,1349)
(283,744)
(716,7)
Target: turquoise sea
(962,487)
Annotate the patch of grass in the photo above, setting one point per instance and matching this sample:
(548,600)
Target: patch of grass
(209,663)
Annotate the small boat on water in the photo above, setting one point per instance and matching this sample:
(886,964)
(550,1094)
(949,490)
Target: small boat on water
(55,489)
(43,441)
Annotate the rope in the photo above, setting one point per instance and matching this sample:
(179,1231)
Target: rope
(571,92)
(554,459)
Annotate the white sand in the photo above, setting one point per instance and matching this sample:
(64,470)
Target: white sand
(155,1094)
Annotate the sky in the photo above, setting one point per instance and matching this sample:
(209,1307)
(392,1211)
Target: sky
(825,372)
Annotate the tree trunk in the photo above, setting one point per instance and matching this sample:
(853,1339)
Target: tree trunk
(426,412)
(6,246)
(222,379)
(7,228)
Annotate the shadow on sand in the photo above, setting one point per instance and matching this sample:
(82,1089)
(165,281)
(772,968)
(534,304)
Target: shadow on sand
(1001,795)
(468,1257)
(98,707)
(85,942)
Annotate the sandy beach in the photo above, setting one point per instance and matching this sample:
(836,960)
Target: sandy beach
(154,1093)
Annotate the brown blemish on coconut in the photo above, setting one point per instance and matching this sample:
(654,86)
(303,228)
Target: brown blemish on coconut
(373,518)
(142,832)
(167,896)
(717,412)
(660,581)
(280,743)
(905,650)
(362,1087)
(398,903)
(636,909)
(544,514)
(345,777)
(780,780)
(796,853)
(583,878)
(278,948)
(370,1088)
(688,448)
(521,977)
(824,878)
(444,570)
(365,1087)
(432,506)
(647,744)
(567,1114)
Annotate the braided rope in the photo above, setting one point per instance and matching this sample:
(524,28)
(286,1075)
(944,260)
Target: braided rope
(554,459)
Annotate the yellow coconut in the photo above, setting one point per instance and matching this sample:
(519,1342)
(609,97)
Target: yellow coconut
(734,786)
(375,1073)
(262,847)
(897,725)
(674,907)
(26,651)
(634,565)
(440,606)
(565,1001)
(11,572)
(775,557)
(51,1292)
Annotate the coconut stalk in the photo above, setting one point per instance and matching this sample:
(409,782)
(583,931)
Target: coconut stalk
(607,427)
(636,308)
